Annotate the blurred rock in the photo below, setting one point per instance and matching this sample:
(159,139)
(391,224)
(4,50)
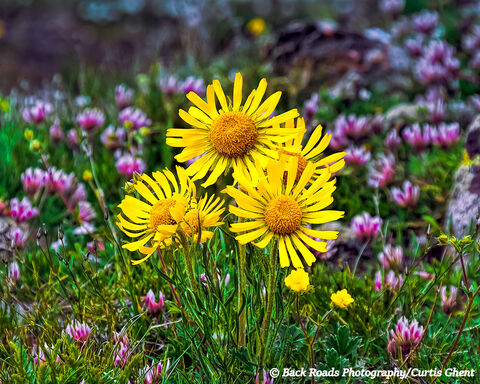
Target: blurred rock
(472,143)
(347,87)
(464,206)
(402,113)
(325,52)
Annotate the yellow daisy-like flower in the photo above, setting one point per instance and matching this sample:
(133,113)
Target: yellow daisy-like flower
(202,215)
(342,298)
(232,136)
(313,150)
(256,26)
(297,280)
(155,218)
(284,211)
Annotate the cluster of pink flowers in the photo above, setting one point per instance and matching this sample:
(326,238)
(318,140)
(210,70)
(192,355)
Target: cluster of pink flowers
(391,257)
(134,118)
(418,138)
(391,281)
(90,120)
(471,42)
(425,22)
(13,272)
(444,135)
(425,275)
(154,373)
(310,108)
(414,46)
(56,132)
(392,7)
(438,64)
(405,338)
(219,278)
(123,96)
(193,84)
(37,112)
(154,307)
(264,379)
(95,246)
(40,354)
(356,156)
(349,128)
(22,210)
(127,164)
(113,138)
(452,302)
(86,215)
(172,86)
(72,139)
(18,237)
(393,141)
(122,351)
(366,227)
(382,171)
(406,197)
(72,192)
(79,332)
(33,180)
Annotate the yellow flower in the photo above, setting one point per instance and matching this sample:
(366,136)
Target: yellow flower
(256,26)
(342,298)
(284,211)
(35,145)
(155,218)
(144,131)
(205,214)
(232,136)
(4,105)
(297,280)
(312,152)
(87,175)
(28,134)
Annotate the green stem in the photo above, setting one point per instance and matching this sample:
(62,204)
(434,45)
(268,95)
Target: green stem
(242,316)
(189,262)
(307,338)
(359,256)
(270,295)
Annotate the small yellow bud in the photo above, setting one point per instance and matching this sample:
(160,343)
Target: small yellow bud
(443,239)
(144,131)
(4,105)
(129,187)
(87,175)
(128,125)
(256,26)
(28,134)
(35,145)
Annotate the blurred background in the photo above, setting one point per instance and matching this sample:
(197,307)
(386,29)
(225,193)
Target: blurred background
(43,38)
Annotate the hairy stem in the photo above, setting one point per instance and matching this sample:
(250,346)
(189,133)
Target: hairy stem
(270,295)
(455,342)
(242,316)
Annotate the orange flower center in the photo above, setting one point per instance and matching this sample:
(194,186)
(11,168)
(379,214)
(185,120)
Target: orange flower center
(191,222)
(160,213)
(233,134)
(283,215)
(302,164)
